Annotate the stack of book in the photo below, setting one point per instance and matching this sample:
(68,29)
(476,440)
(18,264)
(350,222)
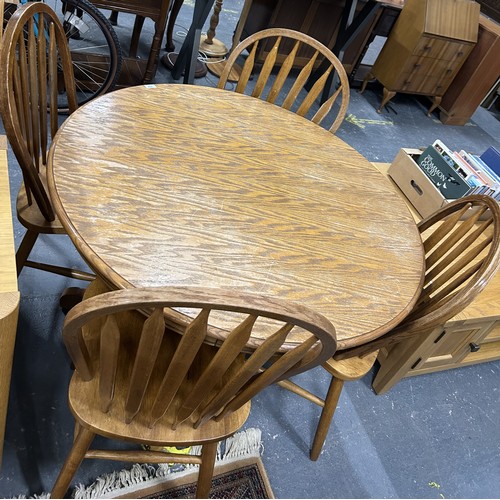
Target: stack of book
(458,173)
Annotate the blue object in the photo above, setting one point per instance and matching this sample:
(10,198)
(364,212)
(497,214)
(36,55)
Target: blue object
(492,158)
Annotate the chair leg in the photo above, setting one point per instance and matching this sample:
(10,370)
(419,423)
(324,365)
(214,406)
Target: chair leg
(208,454)
(73,461)
(25,248)
(331,400)
(76,431)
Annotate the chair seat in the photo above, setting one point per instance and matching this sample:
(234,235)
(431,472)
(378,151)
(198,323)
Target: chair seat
(351,368)
(31,217)
(112,424)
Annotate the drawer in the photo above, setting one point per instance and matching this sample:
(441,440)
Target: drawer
(425,75)
(442,49)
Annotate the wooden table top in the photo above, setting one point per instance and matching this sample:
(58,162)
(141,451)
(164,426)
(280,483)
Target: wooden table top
(188,185)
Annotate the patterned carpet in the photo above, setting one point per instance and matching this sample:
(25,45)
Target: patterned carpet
(239,473)
(242,479)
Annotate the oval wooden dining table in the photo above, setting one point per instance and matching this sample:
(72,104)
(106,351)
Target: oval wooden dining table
(187,185)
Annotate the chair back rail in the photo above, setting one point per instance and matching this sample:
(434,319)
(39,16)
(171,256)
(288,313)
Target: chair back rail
(296,97)
(180,374)
(462,254)
(35,67)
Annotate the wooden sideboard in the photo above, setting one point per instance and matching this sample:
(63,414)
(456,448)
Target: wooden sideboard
(476,77)
(425,50)
(473,336)
(9,294)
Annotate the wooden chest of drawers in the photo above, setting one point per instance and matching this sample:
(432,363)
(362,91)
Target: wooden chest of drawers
(427,46)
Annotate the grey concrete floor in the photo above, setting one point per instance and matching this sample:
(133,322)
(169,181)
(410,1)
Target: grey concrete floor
(433,436)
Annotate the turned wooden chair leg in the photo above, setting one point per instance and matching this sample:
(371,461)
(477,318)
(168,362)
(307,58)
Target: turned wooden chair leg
(24,249)
(76,455)
(331,400)
(208,455)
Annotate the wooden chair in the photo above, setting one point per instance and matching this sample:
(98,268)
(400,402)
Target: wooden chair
(462,253)
(276,41)
(138,382)
(35,68)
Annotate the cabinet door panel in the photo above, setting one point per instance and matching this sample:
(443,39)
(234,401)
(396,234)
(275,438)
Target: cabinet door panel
(452,345)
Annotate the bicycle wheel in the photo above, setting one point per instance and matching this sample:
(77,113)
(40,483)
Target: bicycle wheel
(95,49)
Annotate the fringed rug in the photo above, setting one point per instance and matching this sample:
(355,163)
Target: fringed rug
(239,473)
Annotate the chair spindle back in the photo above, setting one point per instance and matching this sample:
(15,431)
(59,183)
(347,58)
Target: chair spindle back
(179,377)
(462,253)
(35,68)
(295,98)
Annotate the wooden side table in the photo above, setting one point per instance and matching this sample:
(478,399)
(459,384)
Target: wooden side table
(9,294)
(136,70)
(473,336)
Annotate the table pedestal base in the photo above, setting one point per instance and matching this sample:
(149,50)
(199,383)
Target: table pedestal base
(215,48)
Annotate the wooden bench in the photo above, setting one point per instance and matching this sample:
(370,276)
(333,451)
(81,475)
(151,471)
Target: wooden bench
(473,336)
(9,294)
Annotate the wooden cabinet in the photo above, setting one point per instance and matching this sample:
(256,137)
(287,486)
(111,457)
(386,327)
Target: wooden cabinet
(476,77)
(9,295)
(321,19)
(426,48)
(473,336)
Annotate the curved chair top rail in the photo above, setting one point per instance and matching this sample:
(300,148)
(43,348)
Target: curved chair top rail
(35,66)
(321,62)
(462,253)
(244,374)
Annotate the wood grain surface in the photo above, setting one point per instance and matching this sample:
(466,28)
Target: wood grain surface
(9,296)
(267,202)
(8,276)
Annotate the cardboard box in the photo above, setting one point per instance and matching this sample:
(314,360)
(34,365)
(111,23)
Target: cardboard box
(414,183)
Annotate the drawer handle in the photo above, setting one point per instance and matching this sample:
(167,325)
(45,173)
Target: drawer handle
(417,65)
(441,335)
(415,364)
(428,47)
(416,187)
(460,54)
(474,347)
